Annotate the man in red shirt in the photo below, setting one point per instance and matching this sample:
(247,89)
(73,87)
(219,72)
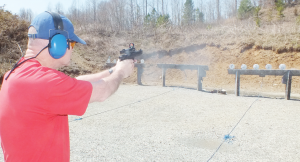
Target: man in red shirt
(36,99)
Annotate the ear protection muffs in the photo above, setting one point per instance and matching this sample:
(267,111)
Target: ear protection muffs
(58,43)
(58,46)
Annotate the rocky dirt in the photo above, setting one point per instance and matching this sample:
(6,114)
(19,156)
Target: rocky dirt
(218,61)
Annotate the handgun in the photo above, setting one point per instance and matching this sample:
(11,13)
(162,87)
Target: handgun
(130,53)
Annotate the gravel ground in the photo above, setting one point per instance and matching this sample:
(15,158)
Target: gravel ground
(150,123)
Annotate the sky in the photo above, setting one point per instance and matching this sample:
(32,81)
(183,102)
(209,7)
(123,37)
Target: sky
(37,6)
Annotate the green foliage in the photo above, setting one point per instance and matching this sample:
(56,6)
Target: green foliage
(188,11)
(153,20)
(280,7)
(199,16)
(163,20)
(150,19)
(209,27)
(245,9)
(256,16)
(298,20)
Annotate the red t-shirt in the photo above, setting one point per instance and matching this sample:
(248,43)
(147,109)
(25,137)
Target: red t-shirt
(35,103)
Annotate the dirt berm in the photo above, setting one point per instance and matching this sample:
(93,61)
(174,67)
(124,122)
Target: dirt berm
(229,42)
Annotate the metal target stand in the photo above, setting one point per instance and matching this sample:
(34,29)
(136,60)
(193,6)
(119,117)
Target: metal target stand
(200,68)
(262,73)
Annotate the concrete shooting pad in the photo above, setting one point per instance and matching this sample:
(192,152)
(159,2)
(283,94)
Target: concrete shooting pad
(152,123)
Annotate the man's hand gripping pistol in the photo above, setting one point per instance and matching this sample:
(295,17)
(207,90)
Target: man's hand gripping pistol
(130,53)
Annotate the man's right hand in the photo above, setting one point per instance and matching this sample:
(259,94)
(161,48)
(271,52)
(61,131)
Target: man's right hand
(125,67)
(104,84)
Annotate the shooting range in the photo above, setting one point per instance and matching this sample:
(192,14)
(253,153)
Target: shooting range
(214,81)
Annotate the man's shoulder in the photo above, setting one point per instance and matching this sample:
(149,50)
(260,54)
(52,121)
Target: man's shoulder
(49,72)
(36,74)
(49,75)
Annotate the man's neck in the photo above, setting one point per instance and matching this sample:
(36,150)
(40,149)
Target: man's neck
(43,58)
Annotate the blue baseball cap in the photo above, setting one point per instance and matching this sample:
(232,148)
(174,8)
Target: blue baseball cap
(44,25)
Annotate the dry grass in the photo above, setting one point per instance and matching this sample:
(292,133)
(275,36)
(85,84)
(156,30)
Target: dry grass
(12,32)
(277,35)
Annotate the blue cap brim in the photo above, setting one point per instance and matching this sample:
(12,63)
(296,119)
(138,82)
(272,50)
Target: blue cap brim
(77,39)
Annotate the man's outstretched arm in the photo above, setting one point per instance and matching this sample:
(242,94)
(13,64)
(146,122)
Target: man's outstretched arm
(105,84)
(95,77)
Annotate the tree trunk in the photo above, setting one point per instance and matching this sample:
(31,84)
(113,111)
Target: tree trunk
(218,9)
(260,3)
(94,9)
(162,7)
(131,15)
(201,5)
(235,7)
(157,7)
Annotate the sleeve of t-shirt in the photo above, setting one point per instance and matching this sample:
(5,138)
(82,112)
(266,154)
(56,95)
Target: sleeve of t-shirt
(68,96)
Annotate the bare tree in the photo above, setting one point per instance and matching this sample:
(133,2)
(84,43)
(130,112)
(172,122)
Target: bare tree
(29,14)
(2,7)
(94,9)
(73,12)
(162,7)
(23,14)
(269,3)
(117,9)
(201,5)
(211,11)
(104,17)
(176,9)
(131,13)
(59,8)
(26,15)
(218,9)
(139,14)
(230,8)
(235,7)
(49,7)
